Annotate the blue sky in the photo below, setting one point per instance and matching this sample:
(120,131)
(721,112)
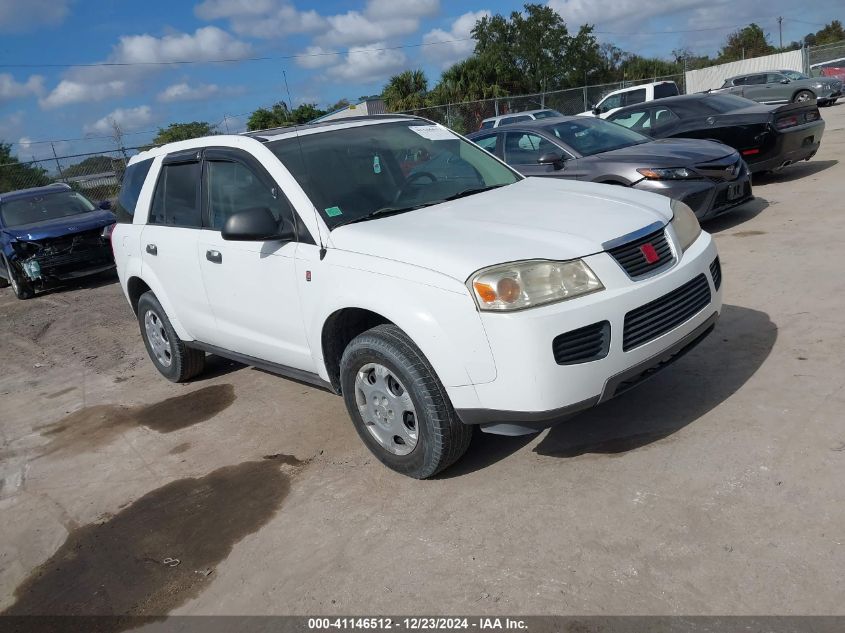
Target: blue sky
(74,106)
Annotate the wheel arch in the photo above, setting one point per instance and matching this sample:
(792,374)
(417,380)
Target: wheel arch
(339,328)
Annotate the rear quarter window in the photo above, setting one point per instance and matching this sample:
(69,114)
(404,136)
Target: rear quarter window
(130,189)
(665,90)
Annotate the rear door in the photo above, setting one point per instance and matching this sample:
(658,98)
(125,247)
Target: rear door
(754,87)
(169,242)
(251,285)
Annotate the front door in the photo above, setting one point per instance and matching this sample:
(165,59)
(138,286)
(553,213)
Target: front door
(169,244)
(252,286)
(523,149)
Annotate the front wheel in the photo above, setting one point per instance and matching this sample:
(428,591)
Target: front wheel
(174,360)
(803,96)
(22,288)
(398,405)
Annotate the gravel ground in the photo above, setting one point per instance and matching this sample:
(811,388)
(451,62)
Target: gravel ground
(714,488)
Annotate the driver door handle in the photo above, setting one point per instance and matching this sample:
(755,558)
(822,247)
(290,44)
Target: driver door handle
(215,257)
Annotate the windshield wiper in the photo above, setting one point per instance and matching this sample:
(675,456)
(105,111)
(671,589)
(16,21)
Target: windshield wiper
(470,192)
(384,211)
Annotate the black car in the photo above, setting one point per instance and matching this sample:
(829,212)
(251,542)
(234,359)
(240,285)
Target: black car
(51,234)
(768,137)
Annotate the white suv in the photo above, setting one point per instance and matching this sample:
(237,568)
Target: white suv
(393,262)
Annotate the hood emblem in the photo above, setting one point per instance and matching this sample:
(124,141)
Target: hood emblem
(73,228)
(650,253)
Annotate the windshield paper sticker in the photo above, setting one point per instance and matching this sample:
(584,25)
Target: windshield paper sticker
(433,132)
(333,212)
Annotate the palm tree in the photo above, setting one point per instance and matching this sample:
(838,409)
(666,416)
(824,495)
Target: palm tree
(406,91)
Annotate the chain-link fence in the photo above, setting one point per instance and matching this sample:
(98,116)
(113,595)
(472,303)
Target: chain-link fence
(467,116)
(96,175)
(823,55)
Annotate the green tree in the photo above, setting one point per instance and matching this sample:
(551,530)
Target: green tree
(406,91)
(831,32)
(265,118)
(91,165)
(305,112)
(343,103)
(635,67)
(750,41)
(17,175)
(183,131)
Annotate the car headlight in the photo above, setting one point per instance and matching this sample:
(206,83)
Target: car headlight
(685,224)
(672,173)
(531,283)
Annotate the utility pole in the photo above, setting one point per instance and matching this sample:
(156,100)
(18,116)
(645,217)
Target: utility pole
(117,135)
(58,165)
(780,30)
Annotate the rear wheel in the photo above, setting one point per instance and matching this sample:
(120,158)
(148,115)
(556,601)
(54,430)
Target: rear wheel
(398,405)
(174,360)
(22,288)
(802,96)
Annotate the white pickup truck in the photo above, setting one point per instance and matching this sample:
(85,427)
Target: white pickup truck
(632,95)
(393,262)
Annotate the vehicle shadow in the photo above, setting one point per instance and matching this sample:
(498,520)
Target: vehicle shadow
(216,366)
(732,218)
(793,172)
(697,383)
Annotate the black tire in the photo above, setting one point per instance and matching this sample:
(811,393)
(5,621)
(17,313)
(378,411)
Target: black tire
(23,289)
(802,96)
(184,362)
(442,437)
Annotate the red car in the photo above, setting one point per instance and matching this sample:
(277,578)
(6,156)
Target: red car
(834,68)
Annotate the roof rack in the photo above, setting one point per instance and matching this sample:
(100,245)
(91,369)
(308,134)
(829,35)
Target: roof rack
(310,126)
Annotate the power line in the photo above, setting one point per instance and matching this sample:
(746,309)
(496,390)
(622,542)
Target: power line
(701,30)
(235,60)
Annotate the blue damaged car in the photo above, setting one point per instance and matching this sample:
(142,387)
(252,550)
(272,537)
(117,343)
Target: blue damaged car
(51,234)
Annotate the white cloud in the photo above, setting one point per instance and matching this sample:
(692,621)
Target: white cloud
(12,89)
(185,92)
(17,15)
(96,83)
(261,18)
(319,57)
(362,64)
(446,54)
(128,119)
(627,13)
(380,20)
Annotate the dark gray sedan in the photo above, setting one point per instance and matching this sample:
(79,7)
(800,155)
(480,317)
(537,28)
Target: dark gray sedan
(709,177)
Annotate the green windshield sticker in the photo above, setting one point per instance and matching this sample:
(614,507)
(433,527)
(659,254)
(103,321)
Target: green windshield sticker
(333,212)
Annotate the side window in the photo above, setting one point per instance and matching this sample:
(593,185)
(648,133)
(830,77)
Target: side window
(233,187)
(774,78)
(661,117)
(176,199)
(130,189)
(488,142)
(665,90)
(522,148)
(486,125)
(755,80)
(613,101)
(633,120)
(634,97)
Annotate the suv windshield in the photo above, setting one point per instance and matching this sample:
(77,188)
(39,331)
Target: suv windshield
(42,208)
(594,136)
(359,172)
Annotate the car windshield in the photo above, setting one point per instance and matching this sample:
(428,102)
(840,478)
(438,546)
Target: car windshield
(722,103)
(546,114)
(360,172)
(794,75)
(45,207)
(594,136)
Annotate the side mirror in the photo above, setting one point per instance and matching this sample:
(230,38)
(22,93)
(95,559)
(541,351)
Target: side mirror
(105,205)
(551,158)
(256,225)
(784,80)
(596,111)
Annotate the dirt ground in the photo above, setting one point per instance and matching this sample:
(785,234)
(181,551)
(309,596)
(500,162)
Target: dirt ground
(715,488)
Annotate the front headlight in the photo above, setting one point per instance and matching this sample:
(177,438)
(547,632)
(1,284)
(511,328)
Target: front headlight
(527,284)
(672,173)
(685,224)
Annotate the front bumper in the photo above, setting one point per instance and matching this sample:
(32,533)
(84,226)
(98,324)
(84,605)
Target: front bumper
(707,198)
(532,391)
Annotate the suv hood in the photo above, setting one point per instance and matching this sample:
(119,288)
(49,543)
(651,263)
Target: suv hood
(682,152)
(60,227)
(535,218)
